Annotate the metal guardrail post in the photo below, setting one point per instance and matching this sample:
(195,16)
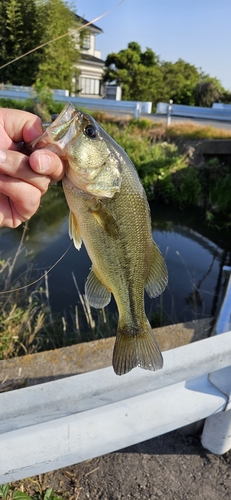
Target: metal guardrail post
(169,112)
(216,435)
(223,322)
(137,110)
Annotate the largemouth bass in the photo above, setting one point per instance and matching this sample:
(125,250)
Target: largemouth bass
(109,212)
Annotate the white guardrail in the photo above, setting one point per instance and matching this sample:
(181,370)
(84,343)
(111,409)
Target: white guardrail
(127,107)
(60,423)
(217,112)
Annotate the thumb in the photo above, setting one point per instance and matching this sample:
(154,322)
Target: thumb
(45,162)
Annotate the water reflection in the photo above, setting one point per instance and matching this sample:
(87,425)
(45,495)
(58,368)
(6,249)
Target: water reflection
(193,258)
(194,266)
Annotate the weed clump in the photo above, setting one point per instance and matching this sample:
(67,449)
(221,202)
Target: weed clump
(24,316)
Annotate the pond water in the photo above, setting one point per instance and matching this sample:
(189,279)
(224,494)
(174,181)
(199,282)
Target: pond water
(194,256)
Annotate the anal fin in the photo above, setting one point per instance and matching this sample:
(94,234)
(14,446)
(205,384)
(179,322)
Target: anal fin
(97,294)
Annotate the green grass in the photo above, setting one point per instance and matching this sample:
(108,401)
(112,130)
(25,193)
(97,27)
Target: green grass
(9,492)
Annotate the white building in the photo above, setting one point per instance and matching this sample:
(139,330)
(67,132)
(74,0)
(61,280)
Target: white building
(89,82)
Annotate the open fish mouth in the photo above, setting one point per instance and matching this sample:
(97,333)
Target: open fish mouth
(66,126)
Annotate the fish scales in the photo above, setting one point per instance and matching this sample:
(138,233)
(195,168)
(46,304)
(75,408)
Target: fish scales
(109,212)
(115,259)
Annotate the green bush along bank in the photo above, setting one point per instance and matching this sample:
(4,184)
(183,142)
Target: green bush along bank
(169,168)
(162,156)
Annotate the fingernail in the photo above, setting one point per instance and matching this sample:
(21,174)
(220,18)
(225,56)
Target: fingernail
(44,163)
(2,156)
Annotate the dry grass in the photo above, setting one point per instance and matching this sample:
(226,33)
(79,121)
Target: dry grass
(191,131)
(159,131)
(24,316)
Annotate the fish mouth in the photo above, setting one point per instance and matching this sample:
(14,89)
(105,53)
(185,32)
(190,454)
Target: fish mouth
(66,126)
(66,117)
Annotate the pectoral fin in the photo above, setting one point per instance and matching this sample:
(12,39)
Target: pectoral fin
(105,219)
(97,294)
(158,275)
(74,232)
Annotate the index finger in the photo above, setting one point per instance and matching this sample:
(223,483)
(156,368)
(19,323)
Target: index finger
(19,125)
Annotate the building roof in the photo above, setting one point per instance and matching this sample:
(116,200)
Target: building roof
(92,59)
(93,27)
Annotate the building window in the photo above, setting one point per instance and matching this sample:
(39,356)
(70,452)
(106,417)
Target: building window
(86,43)
(89,86)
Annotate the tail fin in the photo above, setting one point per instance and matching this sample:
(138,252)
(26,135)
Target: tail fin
(136,348)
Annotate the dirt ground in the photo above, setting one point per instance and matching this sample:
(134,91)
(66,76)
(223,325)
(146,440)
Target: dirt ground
(174,467)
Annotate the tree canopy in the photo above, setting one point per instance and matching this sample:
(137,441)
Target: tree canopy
(26,24)
(56,66)
(134,70)
(207,91)
(19,33)
(143,76)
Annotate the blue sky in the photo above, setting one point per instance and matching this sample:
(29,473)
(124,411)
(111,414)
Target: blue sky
(198,31)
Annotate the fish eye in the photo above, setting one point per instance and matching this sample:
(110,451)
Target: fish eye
(54,116)
(90,131)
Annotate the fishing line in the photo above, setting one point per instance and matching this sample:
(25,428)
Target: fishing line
(41,277)
(62,36)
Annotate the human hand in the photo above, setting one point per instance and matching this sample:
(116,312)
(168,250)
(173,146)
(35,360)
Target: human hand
(23,178)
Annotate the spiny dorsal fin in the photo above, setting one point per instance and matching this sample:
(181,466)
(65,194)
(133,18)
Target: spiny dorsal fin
(158,275)
(74,232)
(97,294)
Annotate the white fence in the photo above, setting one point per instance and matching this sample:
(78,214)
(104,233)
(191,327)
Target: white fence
(52,425)
(220,113)
(134,108)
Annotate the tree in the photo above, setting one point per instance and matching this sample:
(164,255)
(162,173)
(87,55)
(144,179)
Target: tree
(26,24)
(226,97)
(137,72)
(208,91)
(56,67)
(19,33)
(144,77)
(179,80)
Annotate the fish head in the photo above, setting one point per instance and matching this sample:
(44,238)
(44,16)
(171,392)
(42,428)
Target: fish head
(92,164)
